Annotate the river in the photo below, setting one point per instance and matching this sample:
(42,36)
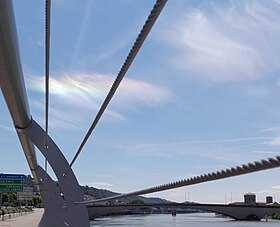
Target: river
(189,220)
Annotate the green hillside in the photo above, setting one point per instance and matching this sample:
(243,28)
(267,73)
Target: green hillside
(103,193)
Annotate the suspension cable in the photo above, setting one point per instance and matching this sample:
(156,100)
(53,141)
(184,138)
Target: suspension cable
(222,174)
(47,71)
(132,54)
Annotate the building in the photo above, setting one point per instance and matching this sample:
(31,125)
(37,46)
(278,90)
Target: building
(269,199)
(88,197)
(250,199)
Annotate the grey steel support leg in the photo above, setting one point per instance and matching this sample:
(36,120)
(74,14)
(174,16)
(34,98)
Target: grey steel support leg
(54,215)
(59,197)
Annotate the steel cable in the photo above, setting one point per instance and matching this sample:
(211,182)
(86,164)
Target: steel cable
(132,54)
(47,69)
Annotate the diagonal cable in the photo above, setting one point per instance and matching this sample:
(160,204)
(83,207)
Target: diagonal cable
(222,174)
(132,54)
(47,69)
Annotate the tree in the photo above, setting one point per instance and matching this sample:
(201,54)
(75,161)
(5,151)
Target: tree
(137,201)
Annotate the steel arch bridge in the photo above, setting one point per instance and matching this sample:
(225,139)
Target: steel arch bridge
(63,199)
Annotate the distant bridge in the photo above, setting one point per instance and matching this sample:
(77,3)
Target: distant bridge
(237,212)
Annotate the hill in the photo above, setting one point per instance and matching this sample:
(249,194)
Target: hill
(103,193)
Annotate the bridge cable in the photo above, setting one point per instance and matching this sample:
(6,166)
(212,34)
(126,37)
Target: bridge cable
(47,71)
(132,54)
(222,174)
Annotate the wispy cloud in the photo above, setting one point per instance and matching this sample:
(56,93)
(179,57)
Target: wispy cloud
(119,43)
(270,191)
(82,31)
(226,44)
(234,140)
(258,92)
(276,187)
(274,129)
(273,142)
(102,185)
(106,176)
(265,152)
(235,150)
(7,128)
(73,95)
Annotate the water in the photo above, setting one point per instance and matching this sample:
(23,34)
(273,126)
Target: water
(189,220)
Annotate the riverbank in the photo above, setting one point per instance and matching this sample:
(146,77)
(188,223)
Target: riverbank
(30,220)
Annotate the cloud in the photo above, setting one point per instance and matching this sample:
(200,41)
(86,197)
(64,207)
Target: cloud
(7,128)
(106,176)
(102,185)
(234,140)
(273,142)
(258,92)
(89,89)
(270,130)
(10,130)
(276,187)
(83,28)
(221,150)
(58,117)
(270,191)
(235,43)
(265,191)
(119,43)
(75,97)
(265,152)
(150,151)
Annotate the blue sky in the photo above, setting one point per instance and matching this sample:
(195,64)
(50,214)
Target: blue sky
(201,95)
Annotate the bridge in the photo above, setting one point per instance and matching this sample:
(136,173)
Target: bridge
(237,212)
(62,197)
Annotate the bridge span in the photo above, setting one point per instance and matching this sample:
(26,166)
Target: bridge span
(237,212)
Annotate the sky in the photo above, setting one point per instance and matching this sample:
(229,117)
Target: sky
(201,95)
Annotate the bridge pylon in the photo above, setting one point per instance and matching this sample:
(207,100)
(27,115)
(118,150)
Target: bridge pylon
(59,197)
